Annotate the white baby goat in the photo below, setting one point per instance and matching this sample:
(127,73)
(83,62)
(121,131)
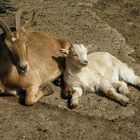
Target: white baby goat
(94,72)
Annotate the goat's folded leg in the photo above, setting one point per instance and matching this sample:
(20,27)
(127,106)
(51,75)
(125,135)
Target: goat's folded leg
(108,89)
(122,87)
(47,89)
(33,94)
(2,89)
(67,92)
(7,91)
(11,92)
(76,93)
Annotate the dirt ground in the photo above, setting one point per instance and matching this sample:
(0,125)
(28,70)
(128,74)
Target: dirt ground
(107,25)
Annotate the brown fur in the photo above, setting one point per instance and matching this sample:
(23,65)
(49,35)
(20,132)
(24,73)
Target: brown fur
(44,59)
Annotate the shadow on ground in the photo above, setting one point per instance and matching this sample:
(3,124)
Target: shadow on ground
(6,7)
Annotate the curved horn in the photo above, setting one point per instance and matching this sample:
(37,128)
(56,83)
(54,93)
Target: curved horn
(5,28)
(18,15)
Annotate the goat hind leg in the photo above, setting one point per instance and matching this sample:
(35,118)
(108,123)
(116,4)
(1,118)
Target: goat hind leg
(128,75)
(136,81)
(108,89)
(122,87)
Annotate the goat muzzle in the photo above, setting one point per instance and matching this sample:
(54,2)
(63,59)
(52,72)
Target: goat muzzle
(23,68)
(85,63)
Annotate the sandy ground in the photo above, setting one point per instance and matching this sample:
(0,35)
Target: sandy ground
(107,25)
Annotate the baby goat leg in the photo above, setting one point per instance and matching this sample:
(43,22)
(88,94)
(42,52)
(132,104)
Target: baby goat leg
(108,89)
(77,92)
(121,87)
(118,97)
(136,81)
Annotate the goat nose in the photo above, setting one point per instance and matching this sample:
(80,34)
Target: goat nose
(23,68)
(85,62)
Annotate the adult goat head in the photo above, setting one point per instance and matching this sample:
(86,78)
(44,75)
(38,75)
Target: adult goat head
(16,42)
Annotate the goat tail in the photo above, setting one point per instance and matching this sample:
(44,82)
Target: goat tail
(127,74)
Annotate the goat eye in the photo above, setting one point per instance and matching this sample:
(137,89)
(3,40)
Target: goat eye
(75,55)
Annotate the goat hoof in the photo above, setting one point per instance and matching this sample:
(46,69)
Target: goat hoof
(73,104)
(67,96)
(47,89)
(125,92)
(1,90)
(126,102)
(13,92)
(29,102)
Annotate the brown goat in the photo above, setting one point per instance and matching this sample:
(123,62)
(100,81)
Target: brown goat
(28,60)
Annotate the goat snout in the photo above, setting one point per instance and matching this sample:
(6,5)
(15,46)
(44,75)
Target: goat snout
(23,68)
(85,62)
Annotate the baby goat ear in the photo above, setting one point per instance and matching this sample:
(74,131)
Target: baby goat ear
(64,52)
(88,46)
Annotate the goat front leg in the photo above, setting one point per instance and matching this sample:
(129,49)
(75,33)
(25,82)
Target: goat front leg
(11,92)
(108,89)
(2,88)
(8,91)
(67,92)
(33,94)
(76,93)
(5,90)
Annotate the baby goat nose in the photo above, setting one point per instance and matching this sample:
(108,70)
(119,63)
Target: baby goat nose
(85,62)
(23,68)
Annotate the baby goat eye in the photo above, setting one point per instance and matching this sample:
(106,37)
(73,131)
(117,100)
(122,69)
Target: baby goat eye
(75,55)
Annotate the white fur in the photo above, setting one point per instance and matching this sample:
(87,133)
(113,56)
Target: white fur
(103,72)
(14,39)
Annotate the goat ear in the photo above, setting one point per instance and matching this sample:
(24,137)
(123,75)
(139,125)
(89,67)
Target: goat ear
(29,22)
(64,52)
(9,43)
(88,46)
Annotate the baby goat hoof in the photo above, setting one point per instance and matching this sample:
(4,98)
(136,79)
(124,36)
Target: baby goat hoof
(66,95)
(73,104)
(126,102)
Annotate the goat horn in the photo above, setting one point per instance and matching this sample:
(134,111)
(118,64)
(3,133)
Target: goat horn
(5,28)
(18,15)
